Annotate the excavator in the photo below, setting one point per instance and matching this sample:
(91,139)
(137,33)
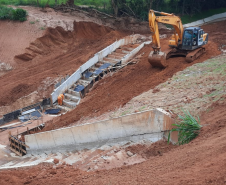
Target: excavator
(186,42)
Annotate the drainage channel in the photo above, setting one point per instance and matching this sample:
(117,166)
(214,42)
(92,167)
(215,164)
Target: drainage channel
(110,63)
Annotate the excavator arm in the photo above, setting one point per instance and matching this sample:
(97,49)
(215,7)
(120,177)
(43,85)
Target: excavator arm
(170,19)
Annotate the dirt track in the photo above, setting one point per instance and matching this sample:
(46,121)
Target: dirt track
(200,162)
(113,92)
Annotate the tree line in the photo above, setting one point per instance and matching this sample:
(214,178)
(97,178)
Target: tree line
(140,8)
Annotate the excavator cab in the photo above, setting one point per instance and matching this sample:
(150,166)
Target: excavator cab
(193,38)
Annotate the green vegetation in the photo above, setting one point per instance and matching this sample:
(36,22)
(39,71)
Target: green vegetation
(188,128)
(188,10)
(42,3)
(13,14)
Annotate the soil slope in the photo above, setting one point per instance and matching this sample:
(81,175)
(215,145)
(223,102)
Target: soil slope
(200,162)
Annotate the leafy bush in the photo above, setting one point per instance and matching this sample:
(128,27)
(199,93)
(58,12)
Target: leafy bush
(10,13)
(5,12)
(188,128)
(19,14)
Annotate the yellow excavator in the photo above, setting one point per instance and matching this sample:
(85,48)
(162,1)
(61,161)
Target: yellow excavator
(186,42)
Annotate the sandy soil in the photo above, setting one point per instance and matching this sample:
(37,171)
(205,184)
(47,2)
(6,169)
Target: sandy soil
(200,162)
(115,91)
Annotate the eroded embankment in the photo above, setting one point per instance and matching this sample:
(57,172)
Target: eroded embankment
(56,53)
(117,90)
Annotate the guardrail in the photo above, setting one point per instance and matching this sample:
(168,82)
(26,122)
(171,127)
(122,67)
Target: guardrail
(214,18)
(97,57)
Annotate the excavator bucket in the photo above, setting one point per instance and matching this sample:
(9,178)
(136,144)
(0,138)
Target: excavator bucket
(157,59)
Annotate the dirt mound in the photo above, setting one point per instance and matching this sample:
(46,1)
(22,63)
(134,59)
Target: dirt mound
(56,53)
(202,161)
(57,38)
(90,30)
(156,149)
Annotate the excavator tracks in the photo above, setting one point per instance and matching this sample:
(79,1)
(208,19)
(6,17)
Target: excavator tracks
(195,54)
(160,60)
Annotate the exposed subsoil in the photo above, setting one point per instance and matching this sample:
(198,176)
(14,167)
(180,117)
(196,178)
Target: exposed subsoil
(14,37)
(56,53)
(115,91)
(202,161)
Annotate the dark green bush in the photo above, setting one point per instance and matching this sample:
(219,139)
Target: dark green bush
(19,14)
(9,13)
(5,12)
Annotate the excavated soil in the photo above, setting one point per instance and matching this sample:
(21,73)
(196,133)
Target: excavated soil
(202,161)
(115,91)
(56,53)
(14,37)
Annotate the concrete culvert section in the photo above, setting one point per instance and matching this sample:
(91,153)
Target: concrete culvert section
(151,125)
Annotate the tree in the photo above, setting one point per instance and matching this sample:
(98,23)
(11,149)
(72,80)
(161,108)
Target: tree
(70,2)
(114,4)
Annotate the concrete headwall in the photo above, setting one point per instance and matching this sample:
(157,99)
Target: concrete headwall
(214,18)
(144,125)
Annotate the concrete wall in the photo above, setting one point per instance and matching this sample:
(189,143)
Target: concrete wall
(214,18)
(97,57)
(130,55)
(144,125)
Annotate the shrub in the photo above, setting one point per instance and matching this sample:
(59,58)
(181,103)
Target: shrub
(188,128)
(19,14)
(10,13)
(5,12)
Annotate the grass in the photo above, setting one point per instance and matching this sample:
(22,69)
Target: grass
(51,3)
(42,3)
(188,128)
